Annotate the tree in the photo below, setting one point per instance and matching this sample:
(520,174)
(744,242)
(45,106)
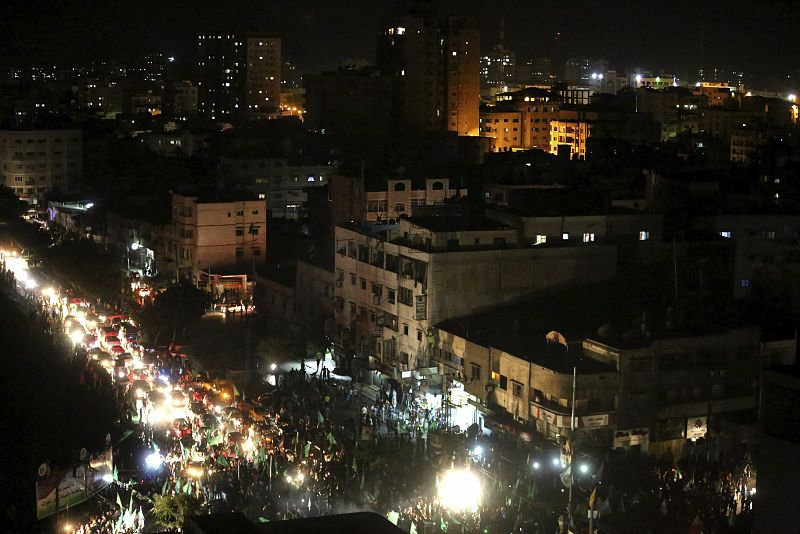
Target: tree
(171,511)
(11,207)
(176,308)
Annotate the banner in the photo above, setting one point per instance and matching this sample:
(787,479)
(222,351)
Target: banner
(61,488)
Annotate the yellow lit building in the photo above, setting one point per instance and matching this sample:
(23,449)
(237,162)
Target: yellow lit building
(569,135)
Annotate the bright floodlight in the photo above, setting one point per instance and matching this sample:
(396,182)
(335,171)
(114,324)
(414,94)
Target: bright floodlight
(460,490)
(792,97)
(556,462)
(30,283)
(536,465)
(76,336)
(108,478)
(584,468)
(477,451)
(273,366)
(153,461)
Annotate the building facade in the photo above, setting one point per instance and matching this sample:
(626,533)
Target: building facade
(283,186)
(35,163)
(216,233)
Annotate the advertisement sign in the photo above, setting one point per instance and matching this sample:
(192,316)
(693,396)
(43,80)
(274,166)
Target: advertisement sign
(631,437)
(59,489)
(549,417)
(696,427)
(593,421)
(420,308)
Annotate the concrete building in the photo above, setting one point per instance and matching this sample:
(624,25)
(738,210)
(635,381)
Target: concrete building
(762,242)
(147,102)
(393,285)
(263,74)
(238,75)
(360,100)
(400,197)
(283,185)
(520,120)
(778,443)
(437,60)
(675,108)
(570,133)
(35,163)
(182,98)
(216,233)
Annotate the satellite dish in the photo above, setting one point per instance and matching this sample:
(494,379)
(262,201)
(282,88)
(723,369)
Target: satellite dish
(555,337)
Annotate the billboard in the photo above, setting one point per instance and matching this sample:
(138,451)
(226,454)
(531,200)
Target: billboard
(58,489)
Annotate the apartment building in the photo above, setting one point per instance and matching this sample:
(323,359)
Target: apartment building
(37,162)
(400,197)
(392,287)
(281,183)
(217,232)
(520,120)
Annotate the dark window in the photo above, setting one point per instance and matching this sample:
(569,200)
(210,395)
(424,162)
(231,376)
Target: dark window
(405,296)
(399,186)
(503,382)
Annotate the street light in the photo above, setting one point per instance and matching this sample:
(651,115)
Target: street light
(273,366)
(536,465)
(584,468)
(460,490)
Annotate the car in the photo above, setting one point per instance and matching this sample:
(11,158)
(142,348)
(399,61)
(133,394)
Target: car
(178,398)
(116,350)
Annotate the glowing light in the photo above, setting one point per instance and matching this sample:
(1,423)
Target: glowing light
(300,477)
(289,479)
(556,462)
(135,246)
(792,97)
(584,468)
(536,465)
(153,461)
(460,490)
(477,451)
(108,478)
(76,336)
(273,367)
(30,283)
(752,491)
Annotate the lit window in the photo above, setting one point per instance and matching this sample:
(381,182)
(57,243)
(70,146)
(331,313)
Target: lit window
(644,235)
(726,234)
(565,236)
(587,238)
(744,282)
(262,196)
(540,239)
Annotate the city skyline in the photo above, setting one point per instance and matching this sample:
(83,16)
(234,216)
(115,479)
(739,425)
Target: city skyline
(687,36)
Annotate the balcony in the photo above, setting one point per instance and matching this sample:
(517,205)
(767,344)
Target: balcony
(452,364)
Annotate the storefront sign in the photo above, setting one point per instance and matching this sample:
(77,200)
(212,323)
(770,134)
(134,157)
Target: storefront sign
(593,421)
(549,417)
(696,427)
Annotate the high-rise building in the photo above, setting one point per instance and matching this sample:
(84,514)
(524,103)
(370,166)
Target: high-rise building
(220,64)
(438,60)
(263,73)
(498,68)
(238,74)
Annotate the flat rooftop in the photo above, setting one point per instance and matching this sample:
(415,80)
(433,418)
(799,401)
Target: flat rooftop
(457,223)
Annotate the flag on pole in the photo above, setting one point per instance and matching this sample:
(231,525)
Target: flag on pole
(187,489)
(320,418)
(130,504)
(307,449)
(235,391)
(331,439)
(116,474)
(119,501)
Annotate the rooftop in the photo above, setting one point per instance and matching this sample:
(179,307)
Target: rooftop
(205,195)
(609,312)
(457,223)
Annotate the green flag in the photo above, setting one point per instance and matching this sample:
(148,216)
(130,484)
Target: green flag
(331,439)
(307,449)
(355,465)
(177,485)
(119,501)
(393,517)
(320,418)
(235,391)
(263,520)
(413,529)
(215,439)
(443,524)
(164,487)
(115,475)
(223,462)
(187,489)
(130,504)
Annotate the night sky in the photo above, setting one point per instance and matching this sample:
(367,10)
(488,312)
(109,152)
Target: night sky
(737,34)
